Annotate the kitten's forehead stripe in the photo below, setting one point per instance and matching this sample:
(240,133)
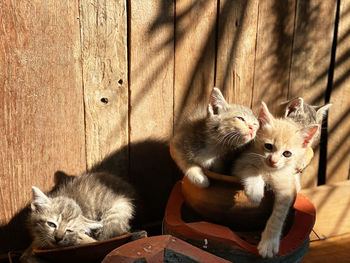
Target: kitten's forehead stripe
(79,205)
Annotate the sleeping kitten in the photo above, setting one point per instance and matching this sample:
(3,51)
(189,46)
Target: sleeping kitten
(84,209)
(279,148)
(204,139)
(303,113)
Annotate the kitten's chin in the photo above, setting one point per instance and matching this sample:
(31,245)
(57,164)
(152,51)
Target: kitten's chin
(249,136)
(50,244)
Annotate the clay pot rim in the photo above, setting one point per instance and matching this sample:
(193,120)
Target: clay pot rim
(210,174)
(235,179)
(304,219)
(82,246)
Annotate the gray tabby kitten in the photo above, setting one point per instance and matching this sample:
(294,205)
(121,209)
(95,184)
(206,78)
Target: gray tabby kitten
(206,137)
(84,209)
(303,113)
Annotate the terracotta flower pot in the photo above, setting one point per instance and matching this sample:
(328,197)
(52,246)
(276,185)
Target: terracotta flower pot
(229,211)
(92,252)
(224,201)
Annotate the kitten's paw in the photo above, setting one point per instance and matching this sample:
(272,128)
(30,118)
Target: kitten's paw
(254,189)
(269,247)
(197,177)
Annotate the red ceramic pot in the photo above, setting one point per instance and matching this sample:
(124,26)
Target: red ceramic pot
(227,208)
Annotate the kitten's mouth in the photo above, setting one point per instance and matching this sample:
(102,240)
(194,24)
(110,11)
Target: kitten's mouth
(268,164)
(250,135)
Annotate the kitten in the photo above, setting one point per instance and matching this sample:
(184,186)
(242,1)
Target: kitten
(86,208)
(205,138)
(279,148)
(303,113)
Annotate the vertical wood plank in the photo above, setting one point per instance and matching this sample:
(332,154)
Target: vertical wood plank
(41,107)
(194,53)
(151,69)
(273,54)
(151,57)
(311,58)
(236,50)
(338,151)
(105,80)
(332,208)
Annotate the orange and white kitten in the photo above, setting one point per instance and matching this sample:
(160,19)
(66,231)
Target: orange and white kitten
(279,148)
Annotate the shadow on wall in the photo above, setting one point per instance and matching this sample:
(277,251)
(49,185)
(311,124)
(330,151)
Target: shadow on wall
(151,171)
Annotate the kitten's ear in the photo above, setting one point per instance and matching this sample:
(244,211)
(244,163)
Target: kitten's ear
(294,106)
(308,134)
(265,116)
(60,177)
(321,112)
(217,102)
(40,200)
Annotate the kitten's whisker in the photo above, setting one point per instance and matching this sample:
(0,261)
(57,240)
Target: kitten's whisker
(225,140)
(256,154)
(232,139)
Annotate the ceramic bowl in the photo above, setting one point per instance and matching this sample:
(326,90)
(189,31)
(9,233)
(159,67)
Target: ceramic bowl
(225,202)
(92,252)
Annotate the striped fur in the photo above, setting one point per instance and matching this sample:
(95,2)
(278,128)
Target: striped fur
(84,209)
(207,136)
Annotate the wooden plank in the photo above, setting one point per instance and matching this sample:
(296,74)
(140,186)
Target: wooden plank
(332,208)
(335,249)
(151,70)
(41,107)
(338,151)
(312,45)
(151,50)
(273,54)
(194,53)
(236,50)
(105,80)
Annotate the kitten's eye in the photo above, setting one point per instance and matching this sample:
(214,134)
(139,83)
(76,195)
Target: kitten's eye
(50,224)
(69,230)
(268,146)
(241,118)
(287,154)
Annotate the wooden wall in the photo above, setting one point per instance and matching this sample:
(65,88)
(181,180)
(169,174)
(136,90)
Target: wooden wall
(101,84)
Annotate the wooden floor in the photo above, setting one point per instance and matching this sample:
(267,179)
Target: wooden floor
(332,250)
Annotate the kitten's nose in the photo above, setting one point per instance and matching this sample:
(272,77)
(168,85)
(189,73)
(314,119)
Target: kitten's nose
(251,130)
(272,161)
(58,237)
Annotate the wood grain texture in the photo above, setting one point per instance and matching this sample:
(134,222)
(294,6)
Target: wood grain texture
(273,54)
(151,58)
(236,50)
(311,61)
(332,208)
(105,80)
(194,53)
(335,249)
(41,107)
(151,69)
(338,150)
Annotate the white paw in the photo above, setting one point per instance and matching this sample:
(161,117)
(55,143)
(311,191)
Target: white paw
(269,247)
(197,177)
(254,188)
